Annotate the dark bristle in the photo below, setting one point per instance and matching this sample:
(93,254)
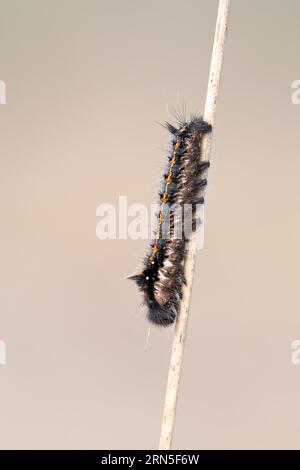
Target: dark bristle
(171,128)
(203,165)
(200,200)
(202,182)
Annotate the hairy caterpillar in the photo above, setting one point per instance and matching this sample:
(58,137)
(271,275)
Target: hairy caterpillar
(161,277)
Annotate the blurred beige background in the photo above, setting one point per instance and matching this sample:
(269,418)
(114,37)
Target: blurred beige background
(87,81)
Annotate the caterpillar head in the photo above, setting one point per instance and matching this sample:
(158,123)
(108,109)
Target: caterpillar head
(140,277)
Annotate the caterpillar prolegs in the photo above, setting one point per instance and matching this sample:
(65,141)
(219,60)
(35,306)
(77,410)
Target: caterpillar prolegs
(161,277)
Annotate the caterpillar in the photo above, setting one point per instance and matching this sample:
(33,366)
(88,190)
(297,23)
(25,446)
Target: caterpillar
(162,275)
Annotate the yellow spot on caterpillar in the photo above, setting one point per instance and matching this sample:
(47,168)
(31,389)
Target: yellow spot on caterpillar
(147,278)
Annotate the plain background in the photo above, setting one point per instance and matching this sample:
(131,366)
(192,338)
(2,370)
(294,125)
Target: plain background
(87,81)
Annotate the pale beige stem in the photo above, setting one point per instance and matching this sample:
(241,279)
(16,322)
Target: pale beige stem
(182,319)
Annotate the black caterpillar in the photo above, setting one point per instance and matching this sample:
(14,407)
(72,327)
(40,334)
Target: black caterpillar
(162,277)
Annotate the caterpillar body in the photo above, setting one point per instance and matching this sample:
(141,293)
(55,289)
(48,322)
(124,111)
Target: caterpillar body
(162,275)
